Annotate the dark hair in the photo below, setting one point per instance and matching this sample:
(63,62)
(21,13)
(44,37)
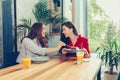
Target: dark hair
(36,32)
(69,25)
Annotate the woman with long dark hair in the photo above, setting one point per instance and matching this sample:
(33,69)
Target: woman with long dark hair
(70,36)
(35,43)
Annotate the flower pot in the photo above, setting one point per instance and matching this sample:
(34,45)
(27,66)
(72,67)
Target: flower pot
(108,76)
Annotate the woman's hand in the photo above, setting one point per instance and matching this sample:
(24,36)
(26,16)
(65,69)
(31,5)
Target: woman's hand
(86,54)
(60,44)
(64,51)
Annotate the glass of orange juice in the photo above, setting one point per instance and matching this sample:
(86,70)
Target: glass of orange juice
(26,61)
(80,56)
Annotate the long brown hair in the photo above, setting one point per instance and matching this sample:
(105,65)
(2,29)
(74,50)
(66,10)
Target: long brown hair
(36,32)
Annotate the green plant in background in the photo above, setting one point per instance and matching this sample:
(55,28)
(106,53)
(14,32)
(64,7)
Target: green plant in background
(24,27)
(111,35)
(109,51)
(97,21)
(22,30)
(45,15)
(42,12)
(110,55)
(97,26)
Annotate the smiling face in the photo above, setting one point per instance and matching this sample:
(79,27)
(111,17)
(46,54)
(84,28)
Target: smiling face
(43,30)
(67,31)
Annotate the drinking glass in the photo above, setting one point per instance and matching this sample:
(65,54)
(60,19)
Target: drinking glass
(80,56)
(26,62)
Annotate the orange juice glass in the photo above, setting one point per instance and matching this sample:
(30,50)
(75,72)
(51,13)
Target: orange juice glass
(80,56)
(26,62)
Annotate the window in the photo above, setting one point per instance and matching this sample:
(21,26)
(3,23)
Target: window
(104,22)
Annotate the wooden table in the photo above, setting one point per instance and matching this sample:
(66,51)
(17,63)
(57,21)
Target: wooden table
(54,69)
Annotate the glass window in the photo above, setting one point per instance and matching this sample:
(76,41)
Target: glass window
(104,23)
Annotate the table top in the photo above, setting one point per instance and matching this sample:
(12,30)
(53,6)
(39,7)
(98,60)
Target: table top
(54,69)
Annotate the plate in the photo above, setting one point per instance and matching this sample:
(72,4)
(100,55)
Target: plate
(86,59)
(40,59)
(71,50)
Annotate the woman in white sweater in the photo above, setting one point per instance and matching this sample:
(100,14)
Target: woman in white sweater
(35,43)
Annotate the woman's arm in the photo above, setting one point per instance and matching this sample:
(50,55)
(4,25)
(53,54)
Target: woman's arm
(51,50)
(31,46)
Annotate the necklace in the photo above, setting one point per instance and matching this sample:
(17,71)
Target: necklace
(74,40)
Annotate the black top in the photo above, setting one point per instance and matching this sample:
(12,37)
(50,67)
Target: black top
(66,41)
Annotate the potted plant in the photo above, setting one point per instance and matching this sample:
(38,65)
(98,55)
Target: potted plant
(111,57)
(24,27)
(44,14)
(22,30)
